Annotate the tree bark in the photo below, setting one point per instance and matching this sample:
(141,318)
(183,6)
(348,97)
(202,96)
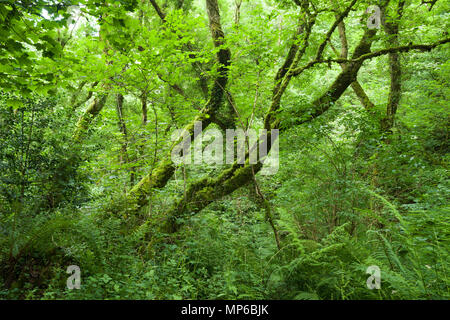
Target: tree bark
(144,108)
(391,28)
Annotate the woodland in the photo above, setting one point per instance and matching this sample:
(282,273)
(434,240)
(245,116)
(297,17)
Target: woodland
(348,97)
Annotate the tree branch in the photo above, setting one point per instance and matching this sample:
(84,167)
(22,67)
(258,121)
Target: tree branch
(371,55)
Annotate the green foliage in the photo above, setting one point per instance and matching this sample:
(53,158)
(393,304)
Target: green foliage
(348,195)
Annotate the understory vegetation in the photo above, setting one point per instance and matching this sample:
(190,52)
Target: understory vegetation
(91,93)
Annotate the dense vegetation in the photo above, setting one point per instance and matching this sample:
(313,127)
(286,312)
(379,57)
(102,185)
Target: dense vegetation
(92,93)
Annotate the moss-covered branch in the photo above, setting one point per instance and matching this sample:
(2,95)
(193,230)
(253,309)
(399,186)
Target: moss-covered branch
(343,54)
(160,175)
(371,55)
(91,112)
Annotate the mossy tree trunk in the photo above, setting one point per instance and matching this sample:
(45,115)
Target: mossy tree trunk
(159,176)
(391,28)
